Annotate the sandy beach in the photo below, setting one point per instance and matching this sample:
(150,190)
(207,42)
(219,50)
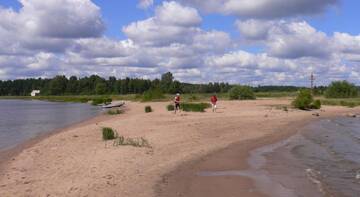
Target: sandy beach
(77,162)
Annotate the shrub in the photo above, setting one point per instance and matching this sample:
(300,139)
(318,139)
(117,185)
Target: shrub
(148,109)
(108,133)
(152,94)
(316,104)
(303,100)
(114,112)
(341,89)
(194,107)
(170,107)
(241,93)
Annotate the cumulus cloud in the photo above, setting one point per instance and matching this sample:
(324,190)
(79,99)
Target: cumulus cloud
(144,4)
(263,8)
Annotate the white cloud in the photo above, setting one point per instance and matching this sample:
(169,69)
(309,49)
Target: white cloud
(263,8)
(144,4)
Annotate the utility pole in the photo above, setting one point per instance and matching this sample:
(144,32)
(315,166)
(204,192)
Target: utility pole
(312,79)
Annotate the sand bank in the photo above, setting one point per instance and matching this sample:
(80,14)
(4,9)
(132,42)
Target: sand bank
(76,162)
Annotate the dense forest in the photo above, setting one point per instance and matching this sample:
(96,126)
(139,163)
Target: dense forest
(96,85)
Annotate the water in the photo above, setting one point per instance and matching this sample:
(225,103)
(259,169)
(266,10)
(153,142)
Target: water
(323,159)
(21,120)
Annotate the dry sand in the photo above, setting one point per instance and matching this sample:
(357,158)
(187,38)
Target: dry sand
(76,162)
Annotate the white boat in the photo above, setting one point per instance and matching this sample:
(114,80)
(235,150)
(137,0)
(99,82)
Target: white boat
(114,104)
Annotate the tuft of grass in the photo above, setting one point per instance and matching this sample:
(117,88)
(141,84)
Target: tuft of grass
(136,142)
(148,109)
(170,107)
(108,133)
(114,112)
(194,107)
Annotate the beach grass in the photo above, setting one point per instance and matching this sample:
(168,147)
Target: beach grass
(170,107)
(114,112)
(148,109)
(194,107)
(108,133)
(136,142)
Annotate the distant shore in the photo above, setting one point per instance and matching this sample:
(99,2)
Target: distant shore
(76,162)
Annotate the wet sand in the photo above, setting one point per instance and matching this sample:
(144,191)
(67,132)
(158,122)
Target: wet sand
(76,162)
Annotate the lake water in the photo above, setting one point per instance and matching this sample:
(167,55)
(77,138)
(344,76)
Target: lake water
(324,156)
(21,120)
(322,159)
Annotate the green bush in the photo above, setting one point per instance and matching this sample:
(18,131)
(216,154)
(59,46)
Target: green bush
(108,133)
(316,104)
(114,112)
(341,89)
(170,107)
(148,109)
(152,94)
(241,93)
(305,101)
(194,107)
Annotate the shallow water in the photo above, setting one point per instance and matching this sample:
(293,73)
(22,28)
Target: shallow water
(323,159)
(21,120)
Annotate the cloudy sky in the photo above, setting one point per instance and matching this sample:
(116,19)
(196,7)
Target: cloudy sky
(260,42)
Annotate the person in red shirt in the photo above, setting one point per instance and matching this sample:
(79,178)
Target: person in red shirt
(213,100)
(177,102)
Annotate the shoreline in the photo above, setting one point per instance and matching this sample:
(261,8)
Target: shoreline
(188,179)
(183,178)
(7,154)
(63,165)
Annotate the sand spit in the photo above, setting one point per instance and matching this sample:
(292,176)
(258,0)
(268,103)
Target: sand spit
(76,162)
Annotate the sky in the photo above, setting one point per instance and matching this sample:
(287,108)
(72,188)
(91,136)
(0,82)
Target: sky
(263,42)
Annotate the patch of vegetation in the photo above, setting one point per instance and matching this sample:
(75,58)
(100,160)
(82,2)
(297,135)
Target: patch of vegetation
(194,107)
(108,133)
(305,101)
(114,112)
(170,107)
(152,95)
(101,100)
(136,142)
(241,93)
(341,89)
(275,94)
(342,102)
(148,109)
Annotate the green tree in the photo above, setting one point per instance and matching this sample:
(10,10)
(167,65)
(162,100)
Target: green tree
(341,89)
(58,85)
(303,100)
(166,81)
(101,88)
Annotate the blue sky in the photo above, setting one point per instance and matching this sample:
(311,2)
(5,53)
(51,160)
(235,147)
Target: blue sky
(275,42)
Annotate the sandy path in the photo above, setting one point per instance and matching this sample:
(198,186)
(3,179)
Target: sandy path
(76,162)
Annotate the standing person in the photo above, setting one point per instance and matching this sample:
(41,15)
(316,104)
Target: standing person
(213,100)
(177,102)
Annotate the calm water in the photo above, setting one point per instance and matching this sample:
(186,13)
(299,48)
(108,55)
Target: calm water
(325,154)
(21,120)
(323,159)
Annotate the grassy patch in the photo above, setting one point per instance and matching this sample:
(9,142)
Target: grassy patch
(108,133)
(170,107)
(114,112)
(194,107)
(148,109)
(152,95)
(275,94)
(342,102)
(136,142)
(98,101)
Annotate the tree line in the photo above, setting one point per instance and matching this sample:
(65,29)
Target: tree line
(96,85)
